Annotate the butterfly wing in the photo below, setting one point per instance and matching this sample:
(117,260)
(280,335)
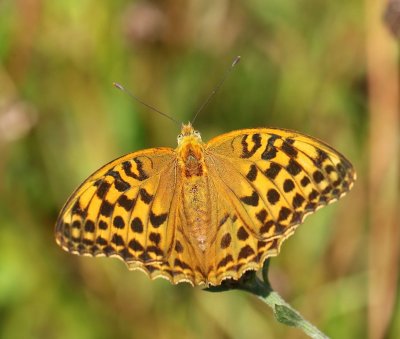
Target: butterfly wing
(262,184)
(127,209)
(269,180)
(235,248)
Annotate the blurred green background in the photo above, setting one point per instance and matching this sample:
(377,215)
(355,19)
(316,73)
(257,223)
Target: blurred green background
(304,67)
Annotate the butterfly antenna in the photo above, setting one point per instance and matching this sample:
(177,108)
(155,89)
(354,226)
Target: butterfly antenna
(215,90)
(120,87)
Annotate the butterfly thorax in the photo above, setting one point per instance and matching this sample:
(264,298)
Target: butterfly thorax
(190,152)
(195,188)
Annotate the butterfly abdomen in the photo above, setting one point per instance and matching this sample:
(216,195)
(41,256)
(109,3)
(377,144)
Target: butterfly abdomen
(195,194)
(197,207)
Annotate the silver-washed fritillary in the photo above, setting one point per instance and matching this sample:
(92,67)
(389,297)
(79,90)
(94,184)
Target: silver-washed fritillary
(203,212)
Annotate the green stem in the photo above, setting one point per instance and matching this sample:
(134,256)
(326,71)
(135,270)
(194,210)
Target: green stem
(283,311)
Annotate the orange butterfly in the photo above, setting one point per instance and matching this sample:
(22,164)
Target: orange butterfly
(203,212)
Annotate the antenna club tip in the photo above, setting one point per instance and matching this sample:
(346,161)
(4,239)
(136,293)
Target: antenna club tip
(236,61)
(117,85)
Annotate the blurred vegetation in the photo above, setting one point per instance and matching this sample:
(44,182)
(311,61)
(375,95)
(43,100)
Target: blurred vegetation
(303,67)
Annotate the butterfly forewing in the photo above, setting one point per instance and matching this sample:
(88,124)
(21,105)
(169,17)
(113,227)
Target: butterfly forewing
(122,209)
(277,177)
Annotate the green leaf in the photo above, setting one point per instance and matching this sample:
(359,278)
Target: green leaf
(283,312)
(287,316)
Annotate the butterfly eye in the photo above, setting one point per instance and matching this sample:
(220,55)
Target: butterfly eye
(180,136)
(197,134)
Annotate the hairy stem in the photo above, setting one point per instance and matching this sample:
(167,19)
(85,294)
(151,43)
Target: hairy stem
(261,288)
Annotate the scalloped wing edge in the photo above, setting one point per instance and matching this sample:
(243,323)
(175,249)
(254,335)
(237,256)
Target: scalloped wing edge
(182,278)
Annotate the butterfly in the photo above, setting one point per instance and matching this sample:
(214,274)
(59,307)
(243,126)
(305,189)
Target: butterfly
(203,212)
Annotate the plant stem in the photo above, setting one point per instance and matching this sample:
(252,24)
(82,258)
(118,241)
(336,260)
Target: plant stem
(283,311)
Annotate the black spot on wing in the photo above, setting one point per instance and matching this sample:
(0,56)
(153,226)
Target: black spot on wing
(293,167)
(77,210)
(120,184)
(246,152)
(145,196)
(66,230)
(288,185)
(225,261)
(273,171)
(76,224)
(125,254)
(321,157)
(284,213)
(106,208)
(323,199)
(329,169)
(155,237)
(103,189)
(318,176)
(139,167)
(140,175)
(118,222)
(267,226)
(305,181)
(311,206)
(262,215)
(101,241)
(226,241)
(223,220)
(181,264)
(269,154)
(126,203)
(246,252)
(273,196)
(103,225)
(156,250)
(178,246)
(135,245)
(270,151)
(137,225)
(87,242)
(157,220)
(89,226)
(326,190)
(289,149)
(145,257)
(298,200)
(242,233)
(75,239)
(108,250)
(341,170)
(296,218)
(252,174)
(251,200)
(118,240)
(313,195)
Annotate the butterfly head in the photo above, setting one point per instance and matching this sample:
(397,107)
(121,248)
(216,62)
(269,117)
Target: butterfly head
(188,135)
